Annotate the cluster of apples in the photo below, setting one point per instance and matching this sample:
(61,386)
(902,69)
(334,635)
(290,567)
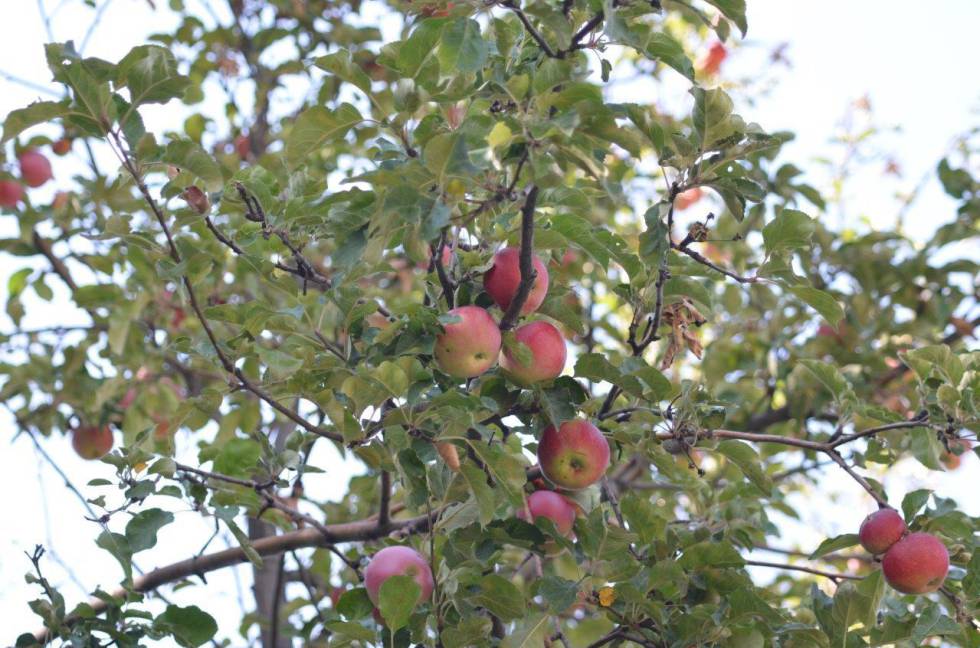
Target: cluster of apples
(472,345)
(35,170)
(913,563)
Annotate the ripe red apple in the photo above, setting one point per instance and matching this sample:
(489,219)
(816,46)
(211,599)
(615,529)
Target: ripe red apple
(398,560)
(11,193)
(916,564)
(881,530)
(714,58)
(469,347)
(687,198)
(61,147)
(551,505)
(91,442)
(502,280)
(34,168)
(547,347)
(573,456)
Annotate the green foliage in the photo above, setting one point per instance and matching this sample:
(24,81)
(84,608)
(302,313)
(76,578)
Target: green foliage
(301,309)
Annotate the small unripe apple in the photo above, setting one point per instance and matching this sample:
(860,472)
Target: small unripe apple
(503,279)
(551,505)
(197,199)
(398,560)
(573,456)
(687,198)
(35,169)
(881,530)
(746,639)
(916,564)
(467,348)
(91,441)
(11,193)
(61,147)
(547,347)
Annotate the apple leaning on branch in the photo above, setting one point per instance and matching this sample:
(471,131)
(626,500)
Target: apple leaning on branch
(91,441)
(881,530)
(546,345)
(573,456)
(467,348)
(503,280)
(398,560)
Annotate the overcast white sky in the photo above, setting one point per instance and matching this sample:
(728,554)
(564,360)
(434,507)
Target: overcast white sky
(916,63)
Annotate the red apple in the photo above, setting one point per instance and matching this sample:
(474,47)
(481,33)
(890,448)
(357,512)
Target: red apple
(91,442)
(952,460)
(398,560)
(573,456)
(197,199)
(881,530)
(916,564)
(551,505)
(61,147)
(502,280)
(11,193)
(128,399)
(687,198)
(335,594)
(243,146)
(712,61)
(547,347)
(34,168)
(469,347)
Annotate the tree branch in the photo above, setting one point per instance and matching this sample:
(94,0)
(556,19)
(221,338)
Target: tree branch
(528,273)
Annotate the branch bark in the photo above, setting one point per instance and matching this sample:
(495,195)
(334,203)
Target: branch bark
(528,273)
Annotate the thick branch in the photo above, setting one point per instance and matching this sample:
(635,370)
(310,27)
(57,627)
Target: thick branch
(528,273)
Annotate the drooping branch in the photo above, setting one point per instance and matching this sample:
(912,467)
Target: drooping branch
(835,576)
(528,273)
(360,531)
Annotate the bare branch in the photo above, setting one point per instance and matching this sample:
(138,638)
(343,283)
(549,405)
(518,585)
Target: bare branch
(528,273)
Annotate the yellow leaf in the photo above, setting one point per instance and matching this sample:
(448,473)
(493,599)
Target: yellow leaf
(607,596)
(499,136)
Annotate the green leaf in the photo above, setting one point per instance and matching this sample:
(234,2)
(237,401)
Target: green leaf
(317,126)
(190,626)
(339,64)
(712,116)
(822,302)
(747,460)
(486,501)
(558,592)
(858,603)
(837,543)
(141,530)
(118,546)
(462,48)
(913,502)
(790,230)
(150,73)
(238,457)
(39,112)
(560,400)
(932,622)
(190,157)
(734,10)
(711,554)
(829,375)
(501,597)
(355,603)
(397,599)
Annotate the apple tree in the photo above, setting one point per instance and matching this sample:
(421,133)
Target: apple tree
(585,347)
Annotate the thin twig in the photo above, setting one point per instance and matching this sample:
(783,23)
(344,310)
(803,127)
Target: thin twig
(528,273)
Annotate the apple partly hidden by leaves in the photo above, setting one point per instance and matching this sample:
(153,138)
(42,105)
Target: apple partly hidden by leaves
(573,456)
(711,63)
(11,193)
(469,347)
(881,530)
(687,198)
(503,279)
(92,441)
(398,560)
(954,457)
(35,169)
(916,564)
(547,350)
(243,146)
(551,505)
(197,199)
